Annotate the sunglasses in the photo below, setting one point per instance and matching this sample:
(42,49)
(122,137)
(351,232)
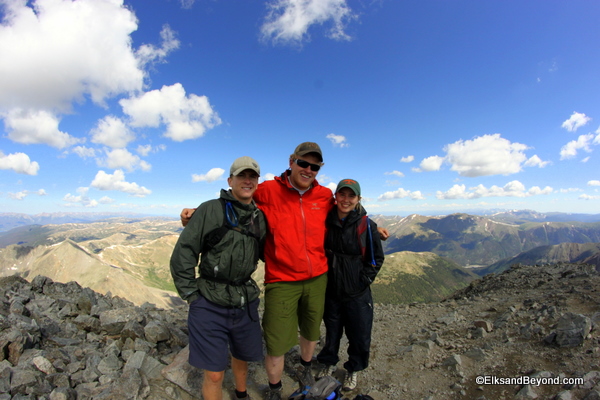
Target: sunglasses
(305,164)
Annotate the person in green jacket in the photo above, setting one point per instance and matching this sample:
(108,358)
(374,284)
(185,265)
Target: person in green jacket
(226,234)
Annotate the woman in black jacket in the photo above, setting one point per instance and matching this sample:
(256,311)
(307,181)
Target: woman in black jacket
(355,256)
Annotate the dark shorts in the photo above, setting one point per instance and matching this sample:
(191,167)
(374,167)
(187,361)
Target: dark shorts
(293,306)
(215,331)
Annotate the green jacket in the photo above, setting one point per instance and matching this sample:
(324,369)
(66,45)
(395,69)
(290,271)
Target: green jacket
(228,266)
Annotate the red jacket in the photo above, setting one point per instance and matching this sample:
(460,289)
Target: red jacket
(294,249)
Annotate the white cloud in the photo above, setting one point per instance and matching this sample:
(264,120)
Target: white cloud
(407,159)
(36,127)
(570,190)
(144,150)
(213,175)
(84,152)
(288,21)
(536,161)
(588,197)
(106,200)
(20,163)
(19,195)
(396,173)
(148,53)
(511,189)
(576,121)
(185,117)
(113,132)
(83,46)
(83,199)
(122,158)
(593,183)
(337,140)
(401,194)
(332,186)
(485,155)
(583,142)
(433,163)
(268,177)
(116,181)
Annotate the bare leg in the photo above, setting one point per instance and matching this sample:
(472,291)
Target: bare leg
(274,366)
(307,349)
(240,373)
(211,388)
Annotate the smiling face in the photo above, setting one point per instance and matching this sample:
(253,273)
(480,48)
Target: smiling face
(243,185)
(300,177)
(346,201)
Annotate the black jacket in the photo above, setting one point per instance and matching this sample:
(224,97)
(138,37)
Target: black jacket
(350,274)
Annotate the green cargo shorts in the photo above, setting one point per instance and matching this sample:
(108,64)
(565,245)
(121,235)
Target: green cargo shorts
(290,306)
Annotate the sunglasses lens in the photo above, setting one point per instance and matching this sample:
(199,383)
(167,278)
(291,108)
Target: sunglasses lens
(304,164)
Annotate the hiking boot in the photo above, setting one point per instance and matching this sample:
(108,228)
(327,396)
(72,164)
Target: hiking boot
(273,394)
(327,370)
(351,381)
(305,376)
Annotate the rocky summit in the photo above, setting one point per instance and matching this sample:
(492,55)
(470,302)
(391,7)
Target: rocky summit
(529,332)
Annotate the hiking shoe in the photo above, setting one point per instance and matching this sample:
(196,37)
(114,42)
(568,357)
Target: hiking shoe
(327,370)
(351,381)
(273,394)
(305,376)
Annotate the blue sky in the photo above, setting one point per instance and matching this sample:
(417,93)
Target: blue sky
(433,106)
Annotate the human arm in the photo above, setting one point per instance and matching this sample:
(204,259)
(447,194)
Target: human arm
(383,233)
(186,215)
(185,256)
(374,253)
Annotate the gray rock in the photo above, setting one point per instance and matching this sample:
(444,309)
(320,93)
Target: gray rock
(572,330)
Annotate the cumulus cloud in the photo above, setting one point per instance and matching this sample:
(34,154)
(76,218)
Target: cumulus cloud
(80,200)
(511,189)
(122,158)
(288,21)
(116,181)
(407,159)
(84,46)
(536,161)
(20,163)
(401,194)
(396,173)
(433,163)
(106,200)
(36,127)
(576,121)
(593,183)
(113,132)
(583,142)
(485,155)
(148,53)
(185,117)
(213,175)
(24,193)
(337,140)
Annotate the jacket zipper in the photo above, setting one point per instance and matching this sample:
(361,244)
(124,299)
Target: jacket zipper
(310,268)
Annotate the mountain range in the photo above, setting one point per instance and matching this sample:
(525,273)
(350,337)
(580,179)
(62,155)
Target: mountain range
(427,258)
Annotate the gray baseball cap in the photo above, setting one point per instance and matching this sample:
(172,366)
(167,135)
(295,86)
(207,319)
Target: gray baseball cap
(244,163)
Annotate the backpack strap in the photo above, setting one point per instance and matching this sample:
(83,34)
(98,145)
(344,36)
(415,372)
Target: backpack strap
(363,226)
(215,236)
